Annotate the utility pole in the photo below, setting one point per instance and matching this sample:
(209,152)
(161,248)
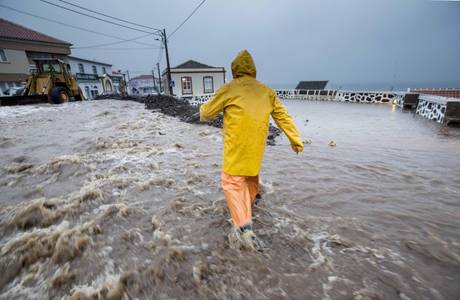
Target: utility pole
(165,41)
(127,83)
(154,83)
(159,75)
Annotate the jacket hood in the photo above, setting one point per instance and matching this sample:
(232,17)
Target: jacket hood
(243,64)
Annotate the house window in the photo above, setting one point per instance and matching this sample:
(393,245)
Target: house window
(208,85)
(103,70)
(94,70)
(81,69)
(94,93)
(3,56)
(186,85)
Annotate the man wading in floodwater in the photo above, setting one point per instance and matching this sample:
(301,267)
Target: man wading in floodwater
(247,105)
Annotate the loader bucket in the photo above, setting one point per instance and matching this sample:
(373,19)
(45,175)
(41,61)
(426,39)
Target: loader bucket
(23,100)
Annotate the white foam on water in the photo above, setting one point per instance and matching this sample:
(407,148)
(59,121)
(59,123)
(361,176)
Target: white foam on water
(107,276)
(18,235)
(329,285)
(319,245)
(21,287)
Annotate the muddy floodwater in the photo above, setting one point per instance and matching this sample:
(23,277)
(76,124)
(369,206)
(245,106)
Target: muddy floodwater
(107,200)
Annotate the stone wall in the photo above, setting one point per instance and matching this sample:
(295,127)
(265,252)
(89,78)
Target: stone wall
(429,106)
(432,107)
(341,96)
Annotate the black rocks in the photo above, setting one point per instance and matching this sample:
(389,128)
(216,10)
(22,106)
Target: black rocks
(119,97)
(173,107)
(191,114)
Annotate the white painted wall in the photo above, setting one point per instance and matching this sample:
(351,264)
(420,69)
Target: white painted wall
(88,66)
(116,78)
(197,82)
(90,88)
(17,62)
(142,86)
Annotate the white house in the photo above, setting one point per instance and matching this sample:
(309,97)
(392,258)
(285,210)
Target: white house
(93,76)
(143,85)
(195,79)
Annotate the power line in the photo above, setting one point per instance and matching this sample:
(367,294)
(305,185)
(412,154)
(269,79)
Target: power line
(137,72)
(97,18)
(186,19)
(146,48)
(108,16)
(114,43)
(74,27)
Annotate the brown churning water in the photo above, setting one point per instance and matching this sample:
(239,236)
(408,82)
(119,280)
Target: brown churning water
(108,200)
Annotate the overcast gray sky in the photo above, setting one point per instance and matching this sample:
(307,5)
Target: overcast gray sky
(351,43)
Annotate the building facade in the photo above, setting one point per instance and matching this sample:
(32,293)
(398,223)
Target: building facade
(94,78)
(312,85)
(119,81)
(143,85)
(193,78)
(445,92)
(19,46)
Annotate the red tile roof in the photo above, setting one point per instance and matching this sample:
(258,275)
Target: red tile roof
(12,30)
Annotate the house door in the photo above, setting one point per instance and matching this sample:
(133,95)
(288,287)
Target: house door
(88,93)
(108,86)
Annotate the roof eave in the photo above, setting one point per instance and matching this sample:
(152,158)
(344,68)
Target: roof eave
(46,43)
(195,70)
(89,60)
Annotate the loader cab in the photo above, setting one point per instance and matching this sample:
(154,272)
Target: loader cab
(50,66)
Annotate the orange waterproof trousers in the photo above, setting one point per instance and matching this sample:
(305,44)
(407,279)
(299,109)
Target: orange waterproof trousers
(240,192)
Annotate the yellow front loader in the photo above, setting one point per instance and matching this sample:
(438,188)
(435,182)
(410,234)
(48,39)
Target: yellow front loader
(51,82)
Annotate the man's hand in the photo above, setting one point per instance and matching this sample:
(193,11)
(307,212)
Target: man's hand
(297,148)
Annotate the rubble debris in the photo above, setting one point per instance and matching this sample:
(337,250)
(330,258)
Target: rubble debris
(119,97)
(188,113)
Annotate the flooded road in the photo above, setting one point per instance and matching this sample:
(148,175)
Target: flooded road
(106,200)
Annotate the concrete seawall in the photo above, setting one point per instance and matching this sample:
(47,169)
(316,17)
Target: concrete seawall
(434,107)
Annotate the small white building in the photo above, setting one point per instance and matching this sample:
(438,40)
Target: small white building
(143,85)
(119,81)
(93,76)
(193,78)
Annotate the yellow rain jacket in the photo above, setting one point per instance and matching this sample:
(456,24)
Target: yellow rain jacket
(247,105)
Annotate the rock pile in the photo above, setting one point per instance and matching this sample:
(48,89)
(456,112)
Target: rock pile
(173,107)
(119,97)
(188,113)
